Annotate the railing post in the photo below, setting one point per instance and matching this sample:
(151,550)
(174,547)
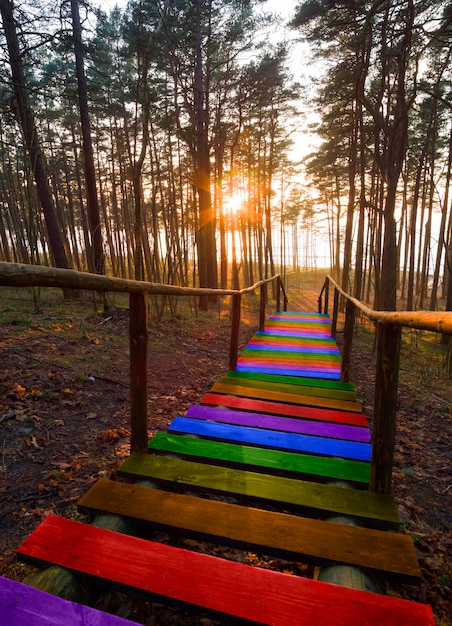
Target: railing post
(335,312)
(327,292)
(278,293)
(263,302)
(348,340)
(385,407)
(138,338)
(235,328)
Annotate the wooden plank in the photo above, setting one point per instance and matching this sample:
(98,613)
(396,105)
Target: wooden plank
(290,398)
(263,459)
(288,370)
(21,605)
(262,338)
(286,536)
(286,424)
(338,394)
(219,585)
(372,509)
(293,355)
(295,380)
(272,439)
(288,410)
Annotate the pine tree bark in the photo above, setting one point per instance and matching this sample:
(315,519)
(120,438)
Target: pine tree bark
(27,121)
(98,260)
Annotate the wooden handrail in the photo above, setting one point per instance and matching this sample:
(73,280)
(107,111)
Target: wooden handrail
(22,275)
(436,321)
(389,325)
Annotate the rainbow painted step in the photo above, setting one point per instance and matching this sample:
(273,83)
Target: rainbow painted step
(286,386)
(284,335)
(280,534)
(21,605)
(282,396)
(216,584)
(263,460)
(324,446)
(251,487)
(322,383)
(275,422)
(287,410)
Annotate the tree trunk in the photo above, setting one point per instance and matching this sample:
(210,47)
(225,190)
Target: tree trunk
(88,156)
(29,130)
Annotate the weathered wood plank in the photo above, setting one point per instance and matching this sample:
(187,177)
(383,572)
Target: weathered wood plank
(286,424)
(296,380)
(281,396)
(21,605)
(338,394)
(289,370)
(272,439)
(219,585)
(287,536)
(372,509)
(288,410)
(263,459)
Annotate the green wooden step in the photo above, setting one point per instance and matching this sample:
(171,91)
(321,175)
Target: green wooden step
(287,536)
(377,510)
(263,459)
(305,390)
(293,380)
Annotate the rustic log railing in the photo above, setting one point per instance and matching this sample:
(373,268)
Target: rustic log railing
(389,326)
(21,275)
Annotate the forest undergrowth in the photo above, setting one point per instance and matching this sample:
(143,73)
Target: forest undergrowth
(64,422)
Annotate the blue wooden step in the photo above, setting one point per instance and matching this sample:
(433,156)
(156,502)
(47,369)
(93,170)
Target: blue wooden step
(272,439)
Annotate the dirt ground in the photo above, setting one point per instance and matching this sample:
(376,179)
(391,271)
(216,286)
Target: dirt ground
(64,422)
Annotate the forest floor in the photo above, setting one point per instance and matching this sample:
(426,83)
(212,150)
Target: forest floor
(64,422)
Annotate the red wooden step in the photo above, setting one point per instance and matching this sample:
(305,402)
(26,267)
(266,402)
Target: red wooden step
(225,587)
(280,408)
(21,605)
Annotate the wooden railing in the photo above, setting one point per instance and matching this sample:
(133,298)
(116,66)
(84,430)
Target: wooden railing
(389,326)
(19,275)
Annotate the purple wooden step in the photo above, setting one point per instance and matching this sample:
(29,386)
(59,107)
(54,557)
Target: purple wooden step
(285,424)
(21,605)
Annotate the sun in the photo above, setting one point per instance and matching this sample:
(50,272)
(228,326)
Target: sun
(232,203)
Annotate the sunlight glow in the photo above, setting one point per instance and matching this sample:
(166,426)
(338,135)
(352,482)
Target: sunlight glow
(232,203)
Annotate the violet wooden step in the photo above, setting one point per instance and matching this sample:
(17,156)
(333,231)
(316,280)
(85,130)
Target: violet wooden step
(216,584)
(21,605)
(274,422)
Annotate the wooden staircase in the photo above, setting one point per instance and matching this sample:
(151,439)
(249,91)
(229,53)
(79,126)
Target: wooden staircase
(274,459)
